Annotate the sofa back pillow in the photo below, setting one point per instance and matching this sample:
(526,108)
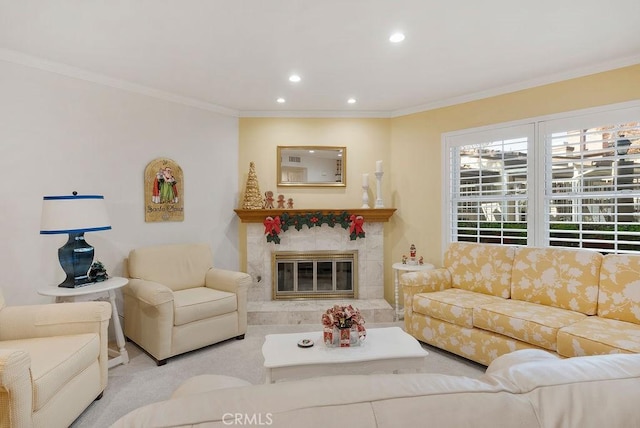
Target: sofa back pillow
(483,268)
(178,266)
(619,296)
(560,277)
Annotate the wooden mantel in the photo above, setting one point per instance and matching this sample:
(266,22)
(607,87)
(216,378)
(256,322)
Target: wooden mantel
(370,215)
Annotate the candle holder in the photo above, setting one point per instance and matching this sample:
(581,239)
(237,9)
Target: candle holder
(379,175)
(365,196)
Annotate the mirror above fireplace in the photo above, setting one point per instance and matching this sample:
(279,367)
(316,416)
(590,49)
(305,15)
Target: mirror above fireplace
(312,166)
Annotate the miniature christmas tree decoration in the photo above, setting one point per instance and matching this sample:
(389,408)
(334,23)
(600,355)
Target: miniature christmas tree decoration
(252,195)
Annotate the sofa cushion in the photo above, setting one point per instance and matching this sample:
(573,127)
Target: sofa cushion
(528,322)
(484,268)
(594,391)
(559,277)
(55,361)
(595,335)
(379,400)
(194,304)
(452,305)
(619,296)
(478,345)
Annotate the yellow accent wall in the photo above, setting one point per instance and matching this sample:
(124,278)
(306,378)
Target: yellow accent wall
(410,148)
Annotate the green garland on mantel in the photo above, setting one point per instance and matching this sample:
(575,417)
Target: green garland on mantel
(274,225)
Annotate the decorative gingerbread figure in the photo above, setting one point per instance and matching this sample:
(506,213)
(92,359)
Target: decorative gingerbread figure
(280,201)
(290,203)
(268,200)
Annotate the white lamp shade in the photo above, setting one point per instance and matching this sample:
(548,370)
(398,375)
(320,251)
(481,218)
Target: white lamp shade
(73,214)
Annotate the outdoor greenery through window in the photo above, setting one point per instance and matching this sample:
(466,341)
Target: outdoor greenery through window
(570,181)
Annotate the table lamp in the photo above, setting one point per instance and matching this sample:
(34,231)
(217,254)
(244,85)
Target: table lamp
(75,215)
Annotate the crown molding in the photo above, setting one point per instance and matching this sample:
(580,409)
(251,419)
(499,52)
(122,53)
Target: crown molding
(552,78)
(78,73)
(316,114)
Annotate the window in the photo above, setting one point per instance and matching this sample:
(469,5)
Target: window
(592,181)
(488,185)
(570,181)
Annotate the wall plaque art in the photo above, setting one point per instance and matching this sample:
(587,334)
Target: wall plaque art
(163,191)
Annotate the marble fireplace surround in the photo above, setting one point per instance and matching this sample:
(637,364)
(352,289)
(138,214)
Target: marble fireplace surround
(324,238)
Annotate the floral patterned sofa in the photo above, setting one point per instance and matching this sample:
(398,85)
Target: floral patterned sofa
(490,300)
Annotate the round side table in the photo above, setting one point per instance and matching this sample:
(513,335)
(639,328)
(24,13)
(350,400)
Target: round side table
(397,267)
(109,286)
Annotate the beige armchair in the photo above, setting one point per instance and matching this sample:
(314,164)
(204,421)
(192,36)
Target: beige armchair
(53,361)
(176,301)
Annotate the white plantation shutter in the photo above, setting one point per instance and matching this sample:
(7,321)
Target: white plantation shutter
(572,180)
(488,185)
(592,176)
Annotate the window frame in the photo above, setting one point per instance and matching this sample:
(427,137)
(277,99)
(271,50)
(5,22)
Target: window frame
(536,129)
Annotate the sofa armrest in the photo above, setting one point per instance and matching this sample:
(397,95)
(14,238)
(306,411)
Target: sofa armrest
(521,356)
(232,282)
(424,281)
(54,319)
(149,292)
(149,316)
(16,395)
(227,280)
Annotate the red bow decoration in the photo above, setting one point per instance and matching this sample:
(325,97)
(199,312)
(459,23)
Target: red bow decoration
(271,225)
(356,224)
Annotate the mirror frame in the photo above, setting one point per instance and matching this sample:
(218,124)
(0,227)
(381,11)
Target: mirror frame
(342,183)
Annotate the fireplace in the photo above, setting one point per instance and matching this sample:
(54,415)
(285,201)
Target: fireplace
(315,275)
(368,268)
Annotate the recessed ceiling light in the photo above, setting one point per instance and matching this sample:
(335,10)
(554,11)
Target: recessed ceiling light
(280,100)
(351,100)
(294,78)
(396,38)
(312,151)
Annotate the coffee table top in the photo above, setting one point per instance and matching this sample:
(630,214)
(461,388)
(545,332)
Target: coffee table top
(281,350)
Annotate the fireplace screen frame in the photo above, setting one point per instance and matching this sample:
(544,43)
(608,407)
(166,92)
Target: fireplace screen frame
(295,258)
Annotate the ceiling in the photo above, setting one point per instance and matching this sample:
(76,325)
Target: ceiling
(235,56)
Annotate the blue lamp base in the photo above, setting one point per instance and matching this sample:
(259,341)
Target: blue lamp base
(75,258)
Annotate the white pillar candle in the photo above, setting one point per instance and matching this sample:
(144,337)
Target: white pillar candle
(379,166)
(365,180)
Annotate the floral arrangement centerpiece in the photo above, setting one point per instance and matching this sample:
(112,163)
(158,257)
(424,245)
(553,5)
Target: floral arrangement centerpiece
(343,325)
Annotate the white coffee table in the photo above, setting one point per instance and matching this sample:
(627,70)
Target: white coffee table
(384,349)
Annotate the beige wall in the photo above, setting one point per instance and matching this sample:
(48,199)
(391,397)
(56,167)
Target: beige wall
(366,140)
(410,147)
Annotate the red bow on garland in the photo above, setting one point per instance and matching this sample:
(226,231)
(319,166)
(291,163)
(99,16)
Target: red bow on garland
(271,226)
(355,228)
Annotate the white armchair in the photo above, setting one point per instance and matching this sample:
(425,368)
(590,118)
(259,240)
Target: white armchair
(53,361)
(176,301)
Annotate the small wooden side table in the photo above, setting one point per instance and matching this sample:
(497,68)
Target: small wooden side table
(397,267)
(120,356)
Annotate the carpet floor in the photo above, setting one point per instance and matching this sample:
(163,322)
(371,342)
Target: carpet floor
(141,382)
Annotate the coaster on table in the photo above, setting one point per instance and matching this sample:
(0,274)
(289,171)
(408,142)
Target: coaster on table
(305,343)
